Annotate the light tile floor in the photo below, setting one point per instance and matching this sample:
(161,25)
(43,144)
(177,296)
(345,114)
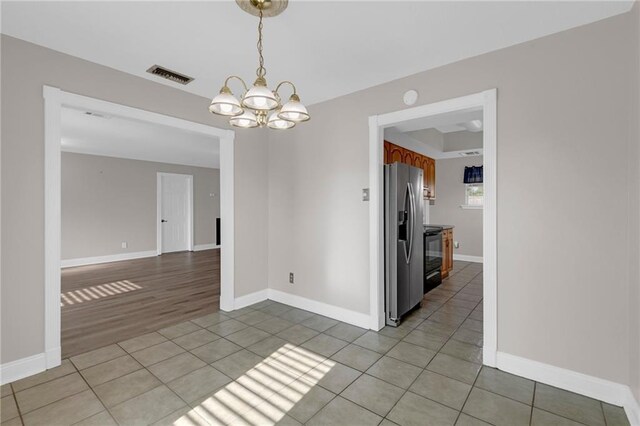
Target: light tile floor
(273,364)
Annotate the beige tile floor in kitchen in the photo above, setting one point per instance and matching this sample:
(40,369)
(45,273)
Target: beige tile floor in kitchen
(273,364)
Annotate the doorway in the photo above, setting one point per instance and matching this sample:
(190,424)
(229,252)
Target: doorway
(485,102)
(54,101)
(175,213)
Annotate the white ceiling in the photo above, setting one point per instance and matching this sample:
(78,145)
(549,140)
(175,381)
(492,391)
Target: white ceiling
(444,123)
(327,48)
(114,136)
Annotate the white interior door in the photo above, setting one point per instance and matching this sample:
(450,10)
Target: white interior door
(175,212)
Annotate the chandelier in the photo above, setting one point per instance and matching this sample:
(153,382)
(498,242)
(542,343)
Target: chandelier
(259,106)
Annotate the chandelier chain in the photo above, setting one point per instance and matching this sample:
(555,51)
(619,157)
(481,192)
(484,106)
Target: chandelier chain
(261,69)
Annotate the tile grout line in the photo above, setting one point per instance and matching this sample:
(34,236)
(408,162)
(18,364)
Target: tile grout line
(604,416)
(61,399)
(97,398)
(533,401)
(15,400)
(467,399)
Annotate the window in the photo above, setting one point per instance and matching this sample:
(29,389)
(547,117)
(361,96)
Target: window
(474,195)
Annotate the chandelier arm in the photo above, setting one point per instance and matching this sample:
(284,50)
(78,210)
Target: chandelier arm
(226,82)
(286,82)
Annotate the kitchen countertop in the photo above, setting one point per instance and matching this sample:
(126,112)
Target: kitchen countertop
(441,226)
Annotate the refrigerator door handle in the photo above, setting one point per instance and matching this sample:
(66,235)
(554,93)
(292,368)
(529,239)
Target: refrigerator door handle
(407,197)
(413,219)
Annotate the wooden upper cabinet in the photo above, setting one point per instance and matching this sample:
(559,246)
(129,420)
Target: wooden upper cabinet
(430,174)
(407,157)
(394,153)
(424,165)
(417,160)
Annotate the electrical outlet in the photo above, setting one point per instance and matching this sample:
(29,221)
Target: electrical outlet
(365,194)
(290,277)
(124,244)
(456,244)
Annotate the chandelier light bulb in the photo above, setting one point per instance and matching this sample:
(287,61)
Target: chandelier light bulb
(245,120)
(225,103)
(294,110)
(259,97)
(275,122)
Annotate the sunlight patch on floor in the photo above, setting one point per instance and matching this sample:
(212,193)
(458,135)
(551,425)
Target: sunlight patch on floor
(265,393)
(96,292)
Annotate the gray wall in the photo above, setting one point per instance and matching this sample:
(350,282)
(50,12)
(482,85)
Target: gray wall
(446,210)
(633,162)
(107,200)
(564,109)
(22,155)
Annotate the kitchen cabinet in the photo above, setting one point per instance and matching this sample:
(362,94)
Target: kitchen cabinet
(394,153)
(430,178)
(407,157)
(428,164)
(447,252)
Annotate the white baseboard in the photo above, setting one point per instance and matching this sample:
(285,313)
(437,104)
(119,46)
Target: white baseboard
(335,312)
(345,315)
(466,258)
(250,299)
(68,263)
(583,384)
(23,367)
(54,357)
(200,247)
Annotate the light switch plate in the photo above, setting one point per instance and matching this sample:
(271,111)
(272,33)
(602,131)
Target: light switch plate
(124,244)
(365,194)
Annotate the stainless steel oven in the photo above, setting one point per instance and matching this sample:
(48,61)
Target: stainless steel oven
(432,257)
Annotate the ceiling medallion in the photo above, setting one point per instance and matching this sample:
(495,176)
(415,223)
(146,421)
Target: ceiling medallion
(260,106)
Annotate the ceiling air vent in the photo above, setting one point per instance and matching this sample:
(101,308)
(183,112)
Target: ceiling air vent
(470,153)
(169,75)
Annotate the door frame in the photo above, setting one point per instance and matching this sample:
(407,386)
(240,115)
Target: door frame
(487,101)
(54,100)
(159,210)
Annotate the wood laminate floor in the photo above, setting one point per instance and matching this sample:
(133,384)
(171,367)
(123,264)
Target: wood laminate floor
(108,303)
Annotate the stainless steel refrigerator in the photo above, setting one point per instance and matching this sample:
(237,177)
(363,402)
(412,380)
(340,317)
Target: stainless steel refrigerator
(404,256)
